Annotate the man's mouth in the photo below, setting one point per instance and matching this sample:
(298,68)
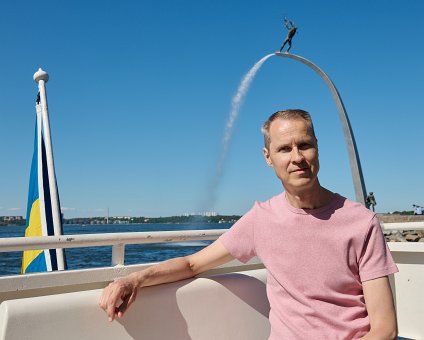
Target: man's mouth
(300,170)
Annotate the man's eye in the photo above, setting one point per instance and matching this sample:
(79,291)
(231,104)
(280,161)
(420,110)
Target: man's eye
(304,146)
(285,149)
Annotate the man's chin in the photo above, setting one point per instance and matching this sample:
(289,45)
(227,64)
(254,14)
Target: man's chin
(300,184)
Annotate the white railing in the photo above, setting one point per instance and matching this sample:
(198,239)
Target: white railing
(116,240)
(119,240)
(419,225)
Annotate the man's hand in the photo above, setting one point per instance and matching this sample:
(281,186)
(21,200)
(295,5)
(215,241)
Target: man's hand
(118,296)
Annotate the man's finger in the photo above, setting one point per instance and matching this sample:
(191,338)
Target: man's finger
(111,303)
(103,298)
(122,308)
(110,311)
(126,302)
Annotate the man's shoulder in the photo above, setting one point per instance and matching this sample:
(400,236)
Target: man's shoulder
(354,207)
(272,202)
(269,206)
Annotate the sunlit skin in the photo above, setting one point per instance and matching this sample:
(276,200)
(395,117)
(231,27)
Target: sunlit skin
(293,153)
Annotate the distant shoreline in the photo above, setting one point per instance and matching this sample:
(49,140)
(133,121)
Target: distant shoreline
(193,219)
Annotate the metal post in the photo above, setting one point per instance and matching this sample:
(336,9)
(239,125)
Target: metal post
(118,254)
(41,77)
(355,164)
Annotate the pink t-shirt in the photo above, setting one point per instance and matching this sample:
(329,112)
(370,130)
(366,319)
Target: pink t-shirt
(316,260)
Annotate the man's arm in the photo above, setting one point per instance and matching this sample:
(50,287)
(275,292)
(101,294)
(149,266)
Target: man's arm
(180,268)
(381,309)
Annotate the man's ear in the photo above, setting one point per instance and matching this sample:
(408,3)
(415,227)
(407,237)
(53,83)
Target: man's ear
(267,157)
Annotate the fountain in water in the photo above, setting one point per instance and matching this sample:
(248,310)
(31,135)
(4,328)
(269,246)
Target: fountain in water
(237,101)
(236,104)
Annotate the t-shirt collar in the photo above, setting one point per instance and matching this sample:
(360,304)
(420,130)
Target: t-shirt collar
(332,204)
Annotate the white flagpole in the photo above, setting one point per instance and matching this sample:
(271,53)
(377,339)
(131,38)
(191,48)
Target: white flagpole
(41,185)
(41,77)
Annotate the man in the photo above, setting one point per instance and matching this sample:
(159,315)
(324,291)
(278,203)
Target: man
(417,210)
(370,201)
(292,31)
(326,257)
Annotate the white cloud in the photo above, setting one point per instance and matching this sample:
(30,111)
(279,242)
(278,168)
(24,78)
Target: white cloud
(14,209)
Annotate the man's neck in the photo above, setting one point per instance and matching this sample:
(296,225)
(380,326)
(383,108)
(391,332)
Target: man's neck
(312,198)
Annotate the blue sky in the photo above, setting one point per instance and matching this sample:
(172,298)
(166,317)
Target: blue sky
(140,91)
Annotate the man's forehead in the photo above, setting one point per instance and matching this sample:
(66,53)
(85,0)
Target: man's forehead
(282,126)
(279,140)
(287,131)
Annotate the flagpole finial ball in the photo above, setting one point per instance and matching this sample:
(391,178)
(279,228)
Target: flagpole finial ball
(41,75)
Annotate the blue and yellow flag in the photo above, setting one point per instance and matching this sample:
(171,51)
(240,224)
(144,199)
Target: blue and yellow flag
(39,210)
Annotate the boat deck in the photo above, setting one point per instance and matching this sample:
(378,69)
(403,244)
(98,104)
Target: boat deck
(225,303)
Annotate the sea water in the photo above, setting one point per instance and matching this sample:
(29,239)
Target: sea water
(92,257)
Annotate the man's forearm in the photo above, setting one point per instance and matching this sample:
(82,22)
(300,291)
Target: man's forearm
(164,272)
(120,294)
(381,334)
(381,309)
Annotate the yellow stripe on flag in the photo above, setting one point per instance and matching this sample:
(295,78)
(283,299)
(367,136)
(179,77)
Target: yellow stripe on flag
(33,229)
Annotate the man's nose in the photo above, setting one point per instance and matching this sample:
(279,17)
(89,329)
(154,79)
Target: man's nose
(297,155)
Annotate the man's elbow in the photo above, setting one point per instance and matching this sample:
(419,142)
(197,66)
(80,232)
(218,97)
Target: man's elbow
(393,333)
(192,266)
(189,267)
(195,266)
(389,335)
(386,333)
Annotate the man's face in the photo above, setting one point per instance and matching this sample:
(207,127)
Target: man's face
(293,153)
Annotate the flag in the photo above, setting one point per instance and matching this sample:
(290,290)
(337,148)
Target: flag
(39,221)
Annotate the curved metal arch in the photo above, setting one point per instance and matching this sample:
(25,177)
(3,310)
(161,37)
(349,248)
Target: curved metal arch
(355,163)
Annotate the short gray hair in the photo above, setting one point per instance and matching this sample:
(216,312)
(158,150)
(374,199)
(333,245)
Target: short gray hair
(290,114)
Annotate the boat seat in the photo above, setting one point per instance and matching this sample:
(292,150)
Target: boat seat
(227,306)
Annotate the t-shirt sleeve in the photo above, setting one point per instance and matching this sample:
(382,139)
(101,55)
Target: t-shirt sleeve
(376,260)
(239,239)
